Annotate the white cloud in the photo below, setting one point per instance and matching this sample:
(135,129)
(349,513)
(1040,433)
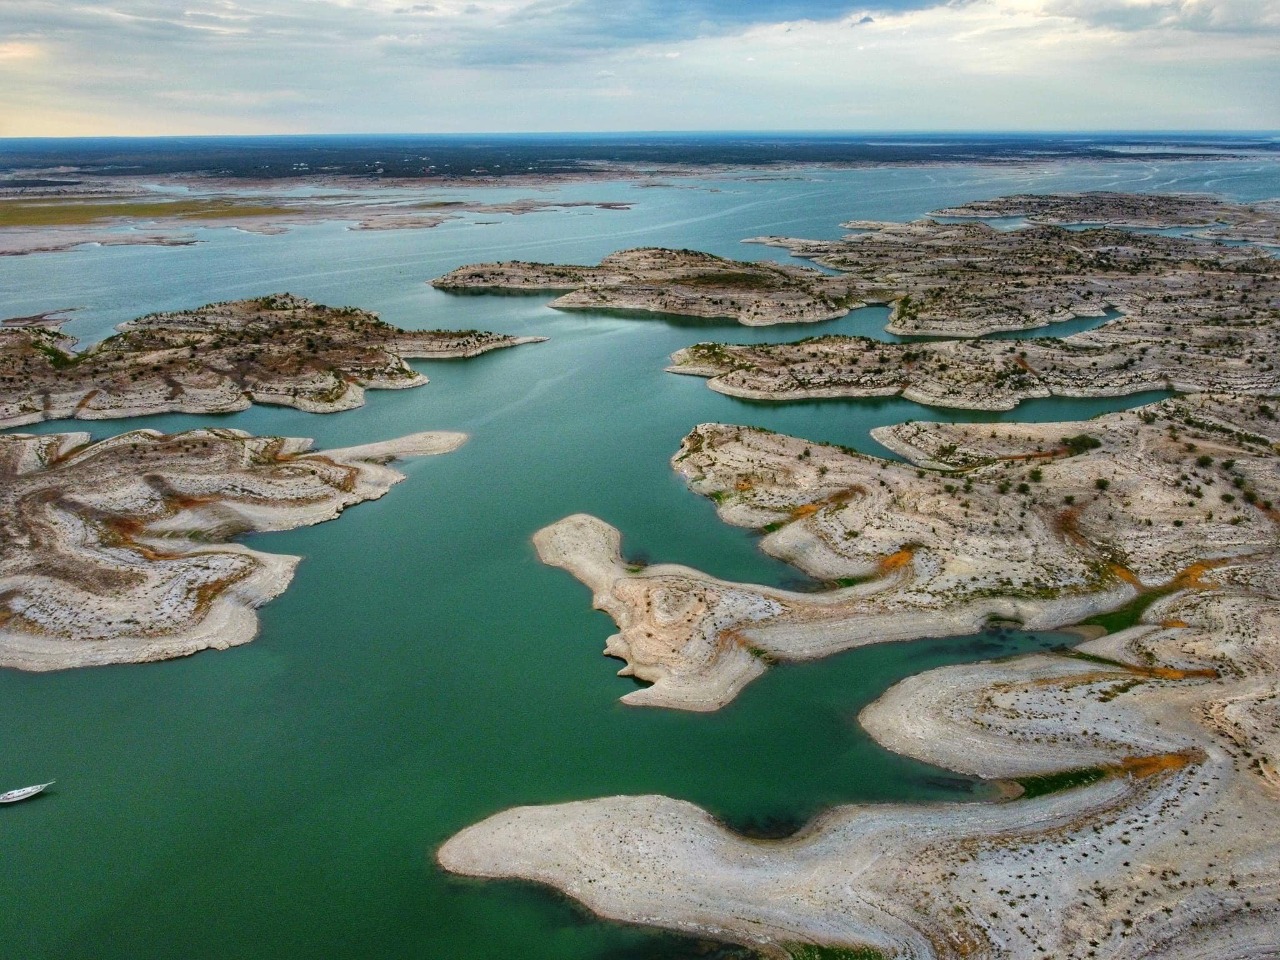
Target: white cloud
(450,65)
(1197,15)
(20,51)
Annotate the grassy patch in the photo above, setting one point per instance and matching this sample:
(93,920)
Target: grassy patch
(57,359)
(854,581)
(55,213)
(1080,443)
(1046,783)
(1130,615)
(731,280)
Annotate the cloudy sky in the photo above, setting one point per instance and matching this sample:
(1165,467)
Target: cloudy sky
(91,67)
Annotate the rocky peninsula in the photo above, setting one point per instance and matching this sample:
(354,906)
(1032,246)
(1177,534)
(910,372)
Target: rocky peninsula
(1146,758)
(220,358)
(679,282)
(120,551)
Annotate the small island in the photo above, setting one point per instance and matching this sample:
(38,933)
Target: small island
(679,282)
(120,551)
(221,358)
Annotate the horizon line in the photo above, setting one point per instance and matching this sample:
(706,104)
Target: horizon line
(920,132)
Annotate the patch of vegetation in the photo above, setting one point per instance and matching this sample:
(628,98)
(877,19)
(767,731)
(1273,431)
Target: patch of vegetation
(1080,443)
(1130,615)
(1047,783)
(54,212)
(813,951)
(853,581)
(57,359)
(732,280)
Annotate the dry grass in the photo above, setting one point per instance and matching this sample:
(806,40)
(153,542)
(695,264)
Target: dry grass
(77,212)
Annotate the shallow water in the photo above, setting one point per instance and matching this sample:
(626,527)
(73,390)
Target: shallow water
(424,670)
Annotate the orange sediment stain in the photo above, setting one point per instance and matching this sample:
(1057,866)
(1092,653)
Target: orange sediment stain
(1122,572)
(1173,673)
(897,561)
(1143,767)
(1065,522)
(1192,577)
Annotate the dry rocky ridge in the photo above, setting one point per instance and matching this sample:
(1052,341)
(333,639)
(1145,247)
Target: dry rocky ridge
(221,358)
(681,282)
(119,551)
(1148,757)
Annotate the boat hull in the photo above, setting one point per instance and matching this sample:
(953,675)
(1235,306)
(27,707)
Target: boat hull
(24,793)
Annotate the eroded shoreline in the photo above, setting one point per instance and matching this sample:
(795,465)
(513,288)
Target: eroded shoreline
(221,358)
(120,550)
(1148,753)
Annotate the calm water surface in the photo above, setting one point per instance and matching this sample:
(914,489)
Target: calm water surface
(424,670)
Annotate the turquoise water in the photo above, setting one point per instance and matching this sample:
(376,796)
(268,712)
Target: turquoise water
(424,670)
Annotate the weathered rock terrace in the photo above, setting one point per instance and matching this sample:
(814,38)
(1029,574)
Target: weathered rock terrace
(1159,840)
(118,551)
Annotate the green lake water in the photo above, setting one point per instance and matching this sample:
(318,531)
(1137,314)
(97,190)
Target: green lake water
(423,671)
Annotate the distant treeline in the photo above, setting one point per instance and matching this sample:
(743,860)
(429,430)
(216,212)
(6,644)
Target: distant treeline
(508,155)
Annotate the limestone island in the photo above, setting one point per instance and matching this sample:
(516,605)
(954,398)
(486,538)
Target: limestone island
(119,551)
(1190,316)
(221,358)
(1207,215)
(1145,758)
(680,282)
(972,279)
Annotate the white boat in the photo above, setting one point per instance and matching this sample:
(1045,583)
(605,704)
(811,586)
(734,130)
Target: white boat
(13,796)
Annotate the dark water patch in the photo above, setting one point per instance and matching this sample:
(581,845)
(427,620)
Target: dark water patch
(1044,784)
